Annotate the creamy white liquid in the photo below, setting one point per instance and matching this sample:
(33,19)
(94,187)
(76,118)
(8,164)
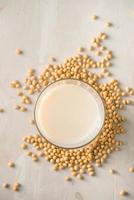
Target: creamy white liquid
(69,113)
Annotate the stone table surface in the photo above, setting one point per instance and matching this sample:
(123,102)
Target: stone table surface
(46,28)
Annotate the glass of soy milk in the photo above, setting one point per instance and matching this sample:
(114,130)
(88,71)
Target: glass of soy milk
(69,113)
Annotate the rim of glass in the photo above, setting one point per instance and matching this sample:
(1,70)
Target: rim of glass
(86,143)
